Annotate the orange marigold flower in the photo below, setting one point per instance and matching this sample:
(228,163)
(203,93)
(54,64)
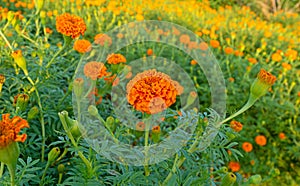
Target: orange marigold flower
(266,77)
(276,57)
(10,128)
(48,30)
(234,166)
(82,46)
(203,46)
(149,52)
(228,50)
(281,136)
(252,162)
(238,53)
(236,126)
(95,70)
(261,140)
(247,147)
(231,79)
(70,25)
(291,54)
(116,59)
(152,92)
(193,62)
(102,39)
(214,43)
(286,66)
(184,38)
(252,60)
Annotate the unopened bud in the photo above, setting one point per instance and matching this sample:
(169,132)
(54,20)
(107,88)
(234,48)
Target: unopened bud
(255,179)
(78,87)
(33,112)
(61,168)
(22,102)
(156,132)
(20,60)
(93,110)
(53,154)
(228,180)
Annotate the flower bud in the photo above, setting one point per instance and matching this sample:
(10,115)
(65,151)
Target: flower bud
(75,129)
(262,84)
(255,179)
(22,102)
(78,87)
(139,129)
(53,154)
(39,4)
(33,112)
(93,110)
(2,80)
(223,170)
(110,123)
(156,132)
(10,153)
(61,168)
(20,60)
(228,180)
(192,96)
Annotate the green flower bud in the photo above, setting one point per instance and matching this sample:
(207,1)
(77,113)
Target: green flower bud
(255,179)
(78,87)
(33,112)
(53,154)
(20,60)
(93,110)
(223,170)
(61,168)
(228,180)
(22,102)
(156,132)
(110,123)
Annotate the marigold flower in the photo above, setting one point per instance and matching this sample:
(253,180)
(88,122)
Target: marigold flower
(156,132)
(95,70)
(252,60)
(286,66)
(291,54)
(281,136)
(236,126)
(252,162)
(116,59)
(247,147)
(262,83)
(193,62)
(276,57)
(48,31)
(261,140)
(152,92)
(228,50)
(10,128)
(149,52)
(234,166)
(2,80)
(156,129)
(184,38)
(70,25)
(140,126)
(102,39)
(214,43)
(231,79)
(82,46)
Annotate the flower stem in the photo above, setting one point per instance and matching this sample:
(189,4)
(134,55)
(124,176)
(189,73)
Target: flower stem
(11,169)
(6,41)
(44,174)
(1,169)
(146,166)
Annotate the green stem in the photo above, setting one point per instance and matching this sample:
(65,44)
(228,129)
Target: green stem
(11,169)
(146,166)
(60,175)
(44,174)
(67,41)
(1,169)
(6,41)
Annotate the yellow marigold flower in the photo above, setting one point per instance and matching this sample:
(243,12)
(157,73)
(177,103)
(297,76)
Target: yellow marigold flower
(291,54)
(103,39)
(236,126)
(116,59)
(276,57)
(152,92)
(95,70)
(214,43)
(286,66)
(10,128)
(82,46)
(261,140)
(70,25)
(2,80)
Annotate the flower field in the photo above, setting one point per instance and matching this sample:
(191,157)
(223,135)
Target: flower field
(160,92)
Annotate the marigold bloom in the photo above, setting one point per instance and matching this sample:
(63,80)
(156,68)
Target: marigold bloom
(102,39)
(236,126)
(156,129)
(82,46)
(262,83)
(291,54)
(152,92)
(184,38)
(261,140)
(214,43)
(252,60)
(281,136)
(203,46)
(286,66)
(10,128)
(228,50)
(276,57)
(149,52)
(247,147)
(234,166)
(140,126)
(116,59)
(70,25)
(95,70)
(193,62)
